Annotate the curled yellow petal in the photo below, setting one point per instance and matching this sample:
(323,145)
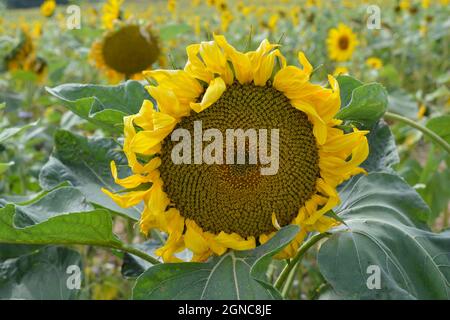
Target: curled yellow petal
(240,61)
(212,94)
(235,241)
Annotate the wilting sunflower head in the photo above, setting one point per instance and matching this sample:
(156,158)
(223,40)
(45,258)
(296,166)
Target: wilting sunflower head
(209,207)
(21,53)
(126,51)
(48,8)
(341,43)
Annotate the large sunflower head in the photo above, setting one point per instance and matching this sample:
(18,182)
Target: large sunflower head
(126,51)
(211,206)
(341,43)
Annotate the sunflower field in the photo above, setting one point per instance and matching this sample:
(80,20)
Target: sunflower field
(224,150)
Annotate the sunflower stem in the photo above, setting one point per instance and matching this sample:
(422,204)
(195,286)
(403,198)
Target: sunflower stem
(433,136)
(297,258)
(290,280)
(141,254)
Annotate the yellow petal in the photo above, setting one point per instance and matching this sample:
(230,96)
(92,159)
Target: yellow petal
(319,126)
(167,102)
(127,200)
(194,239)
(129,182)
(212,94)
(235,241)
(216,61)
(180,82)
(240,61)
(195,67)
(307,67)
(145,141)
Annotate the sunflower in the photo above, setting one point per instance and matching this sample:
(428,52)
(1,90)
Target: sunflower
(48,8)
(209,209)
(23,57)
(341,43)
(340,70)
(126,51)
(374,63)
(111,12)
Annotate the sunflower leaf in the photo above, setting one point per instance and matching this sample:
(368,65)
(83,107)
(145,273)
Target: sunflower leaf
(383,150)
(234,275)
(85,163)
(440,126)
(367,105)
(104,106)
(346,85)
(39,274)
(386,238)
(61,217)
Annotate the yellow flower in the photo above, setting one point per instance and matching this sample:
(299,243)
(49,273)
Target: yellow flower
(340,70)
(341,43)
(171,5)
(48,8)
(421,112)
(425,4)
(210,208)
(272,24)
(126,51)
(374,63)
(225,19)
(111,12)
(404,4)
(23,57)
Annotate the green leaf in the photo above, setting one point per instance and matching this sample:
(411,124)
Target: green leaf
(382,149)
(104,106)
(367,105)
(11,132)
(85,163)
(91,228)
(5,166)
(234,275)
(346,85)
(441,126)
(133,266)
(57,202)
(403,103)
(386,229)
(8,251)
(39,275)
(172,31)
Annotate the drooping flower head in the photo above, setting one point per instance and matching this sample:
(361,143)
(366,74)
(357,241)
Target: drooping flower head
(210,208)
(341,43)
(23,57)
(125,51)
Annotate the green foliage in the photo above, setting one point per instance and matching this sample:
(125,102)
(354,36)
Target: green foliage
(385,227)
(85,164)
(235,275)
(105,106)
